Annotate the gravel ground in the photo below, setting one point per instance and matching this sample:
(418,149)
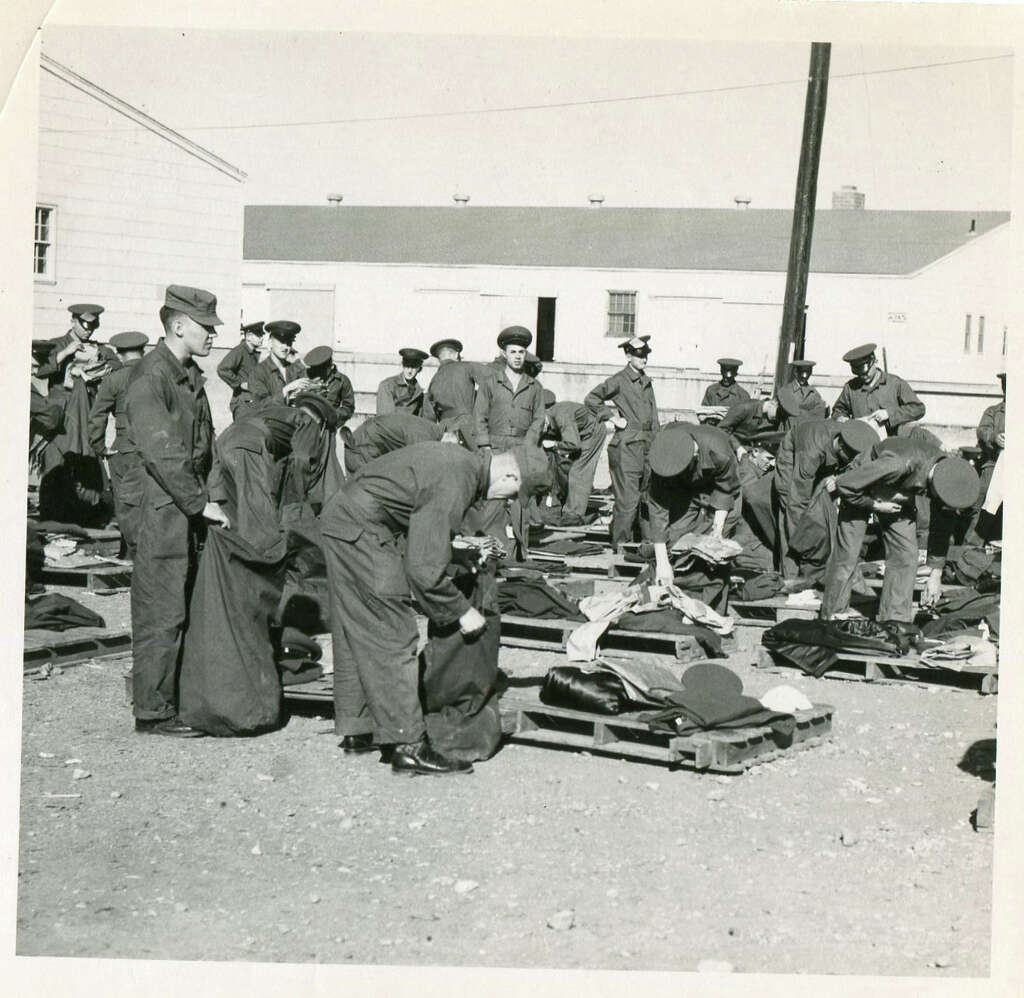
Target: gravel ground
(856,857)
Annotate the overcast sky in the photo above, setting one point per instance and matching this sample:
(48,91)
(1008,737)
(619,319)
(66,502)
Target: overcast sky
(936,138)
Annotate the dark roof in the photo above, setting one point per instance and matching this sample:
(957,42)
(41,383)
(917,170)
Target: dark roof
(845,242)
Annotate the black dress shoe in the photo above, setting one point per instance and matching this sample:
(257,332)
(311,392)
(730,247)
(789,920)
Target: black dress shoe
(169,727)
(357,744)
(419,759)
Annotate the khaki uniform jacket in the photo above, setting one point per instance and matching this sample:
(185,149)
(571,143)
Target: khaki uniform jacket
(633,394)
(891,393)
(396,393)
(503,415)
(267,382)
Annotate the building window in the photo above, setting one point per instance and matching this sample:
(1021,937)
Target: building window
(621,313)
(967,334)
(981,334)
(43,263)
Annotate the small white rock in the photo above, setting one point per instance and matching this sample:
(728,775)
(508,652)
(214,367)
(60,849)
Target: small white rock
(81,774)
(116,795)
(562,921)
(465,886)
(256,850)
(652,786)
(72,762)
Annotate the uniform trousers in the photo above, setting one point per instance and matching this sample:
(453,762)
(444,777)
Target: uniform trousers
(630,474)
(162,577)
(127,483)
(899,536)
(582,471)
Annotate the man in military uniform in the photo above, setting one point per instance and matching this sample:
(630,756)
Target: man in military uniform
(694,488)
(239,362)
(379,435)
(888,401)
(507,404)
(278,377)
(75,353)
(418,495)
(326,380)
(746,422)
(126,474)
(726,391)
(811,454)
(403,391)
(991,442)
(797,399)
(886,482)
(578,433)
(634,414)
(170,429)
(452,391)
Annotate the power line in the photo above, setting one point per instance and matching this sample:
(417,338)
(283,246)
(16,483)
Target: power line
(590,102)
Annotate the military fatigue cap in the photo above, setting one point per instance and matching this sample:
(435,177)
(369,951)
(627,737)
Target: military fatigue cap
(857,435)
(672,450)
(411,357)
(283,330)
(85,310)
(955,483)
(318,356)
(449,344)
(130,340)
(860,353)
(253,327)
(638,344)
(515,336)
(319,405)
(549,399)
(197,304)
(802,364)
(534,471)
(729,362)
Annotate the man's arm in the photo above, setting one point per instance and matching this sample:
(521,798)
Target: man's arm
(427,554)
(102,406)
(855,484)
(481,413)
(987,428)
(844,404)
(347,402)
(596,398)
(908,406)
(385,399)
(228,368)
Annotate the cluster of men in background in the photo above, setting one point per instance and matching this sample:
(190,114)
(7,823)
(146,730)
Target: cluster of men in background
(424,498)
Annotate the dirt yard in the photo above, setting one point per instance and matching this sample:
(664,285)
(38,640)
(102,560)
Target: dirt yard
(856,857)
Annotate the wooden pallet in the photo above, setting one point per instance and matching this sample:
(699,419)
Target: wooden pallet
(625,737)
(553,635)
(70,651)
(101,576)
(606,564)
(874,667)
(766,612)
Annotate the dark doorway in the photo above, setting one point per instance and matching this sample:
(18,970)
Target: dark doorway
(546,328)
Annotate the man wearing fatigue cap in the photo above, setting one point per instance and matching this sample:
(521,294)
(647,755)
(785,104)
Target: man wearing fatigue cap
(626,400)
(76,349)
(126,472)
(726,391)
(278,377)
(239,362)
(887,481)
(326,380)
(507,405)
(415,498)
(811,454)
(888,401)
(695,488)
(797,399)
(578,438)
(170,431)
(402,390)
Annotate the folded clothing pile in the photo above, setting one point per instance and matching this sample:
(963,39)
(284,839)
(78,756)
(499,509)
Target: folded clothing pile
(54,612)
(811,645)
(525,597)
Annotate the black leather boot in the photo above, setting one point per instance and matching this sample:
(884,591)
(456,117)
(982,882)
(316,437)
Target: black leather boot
(419,759)
(357,744)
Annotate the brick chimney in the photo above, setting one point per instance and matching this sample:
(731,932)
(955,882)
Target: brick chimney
(848,198)
(461,200)
(741,202)
(596,200)
(335,199)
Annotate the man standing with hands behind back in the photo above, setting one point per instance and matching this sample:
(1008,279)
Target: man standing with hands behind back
(170,429)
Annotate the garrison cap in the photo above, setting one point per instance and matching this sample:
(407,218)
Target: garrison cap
(515,336)
(318,356)
(955,483)
(197,304)
(859,353)
(534,471)
(857,435)
(411,357)
(85,309)
(549,398)
(283,330)
(131,340)
(449,344)
(808,364)
(638,345)
(319,405)
(729,362)
(253,327)
(672,450)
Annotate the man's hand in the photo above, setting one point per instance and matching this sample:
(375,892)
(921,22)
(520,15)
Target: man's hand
(1001,441)
(472,622)
(932,588)
(880,416)
(298,385)
(885,506)
(830,484)
(213,513)
(618,422)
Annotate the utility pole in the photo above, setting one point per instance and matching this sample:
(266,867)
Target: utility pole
(794,308)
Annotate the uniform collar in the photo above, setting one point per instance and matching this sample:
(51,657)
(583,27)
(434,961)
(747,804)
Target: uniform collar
(634,374)
(180,372)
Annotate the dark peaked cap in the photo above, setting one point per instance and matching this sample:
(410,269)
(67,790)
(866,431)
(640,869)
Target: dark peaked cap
(283,330)
(955,483)
(412,357)
(515,336)
(450,344)
(859,353)
(672,450)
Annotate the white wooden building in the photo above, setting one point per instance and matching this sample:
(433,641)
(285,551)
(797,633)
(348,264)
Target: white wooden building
(124,207)
(931,287)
